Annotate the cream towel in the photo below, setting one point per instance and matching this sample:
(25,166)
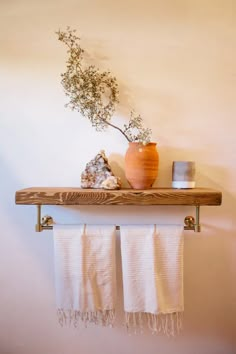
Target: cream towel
(85,277)
(152,266)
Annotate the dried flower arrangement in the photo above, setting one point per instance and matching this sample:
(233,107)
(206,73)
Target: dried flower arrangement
(95,94)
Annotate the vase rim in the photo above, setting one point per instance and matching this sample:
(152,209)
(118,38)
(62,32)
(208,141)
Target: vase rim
(138,143)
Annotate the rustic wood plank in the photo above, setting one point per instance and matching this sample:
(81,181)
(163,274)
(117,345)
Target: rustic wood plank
(154,196)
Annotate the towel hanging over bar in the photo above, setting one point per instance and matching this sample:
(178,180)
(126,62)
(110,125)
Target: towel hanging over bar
(46,222)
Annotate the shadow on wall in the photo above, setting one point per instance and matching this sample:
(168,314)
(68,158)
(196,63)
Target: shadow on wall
(167,155)
(157,103)
(209,288)
(94,55)
(94,50)
(227,211)
(116,162)
(20,220)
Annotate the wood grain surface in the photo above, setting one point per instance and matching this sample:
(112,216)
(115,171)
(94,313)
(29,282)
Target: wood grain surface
(154,196)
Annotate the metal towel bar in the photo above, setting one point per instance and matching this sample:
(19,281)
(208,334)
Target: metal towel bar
(46,222)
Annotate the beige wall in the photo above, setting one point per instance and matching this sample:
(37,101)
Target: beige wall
(175,62)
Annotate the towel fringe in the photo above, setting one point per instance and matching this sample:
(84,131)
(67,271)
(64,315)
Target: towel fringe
(169,324)
(73,317)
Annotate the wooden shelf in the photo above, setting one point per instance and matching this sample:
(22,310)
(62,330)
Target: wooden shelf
(154,196)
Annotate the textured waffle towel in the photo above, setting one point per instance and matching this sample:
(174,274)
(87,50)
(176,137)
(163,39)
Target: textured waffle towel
(152,266)
(85,273)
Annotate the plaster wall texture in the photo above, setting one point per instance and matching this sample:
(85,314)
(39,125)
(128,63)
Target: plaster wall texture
(175,63)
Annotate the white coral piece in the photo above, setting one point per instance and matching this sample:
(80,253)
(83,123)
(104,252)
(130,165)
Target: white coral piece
(112,182)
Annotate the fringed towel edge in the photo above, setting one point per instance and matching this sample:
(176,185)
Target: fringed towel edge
(104,318)
(169,324)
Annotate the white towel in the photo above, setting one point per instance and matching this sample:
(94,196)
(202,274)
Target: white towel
(152,266)
(85,277)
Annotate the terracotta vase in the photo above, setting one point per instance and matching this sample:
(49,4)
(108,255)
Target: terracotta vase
(141,165)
